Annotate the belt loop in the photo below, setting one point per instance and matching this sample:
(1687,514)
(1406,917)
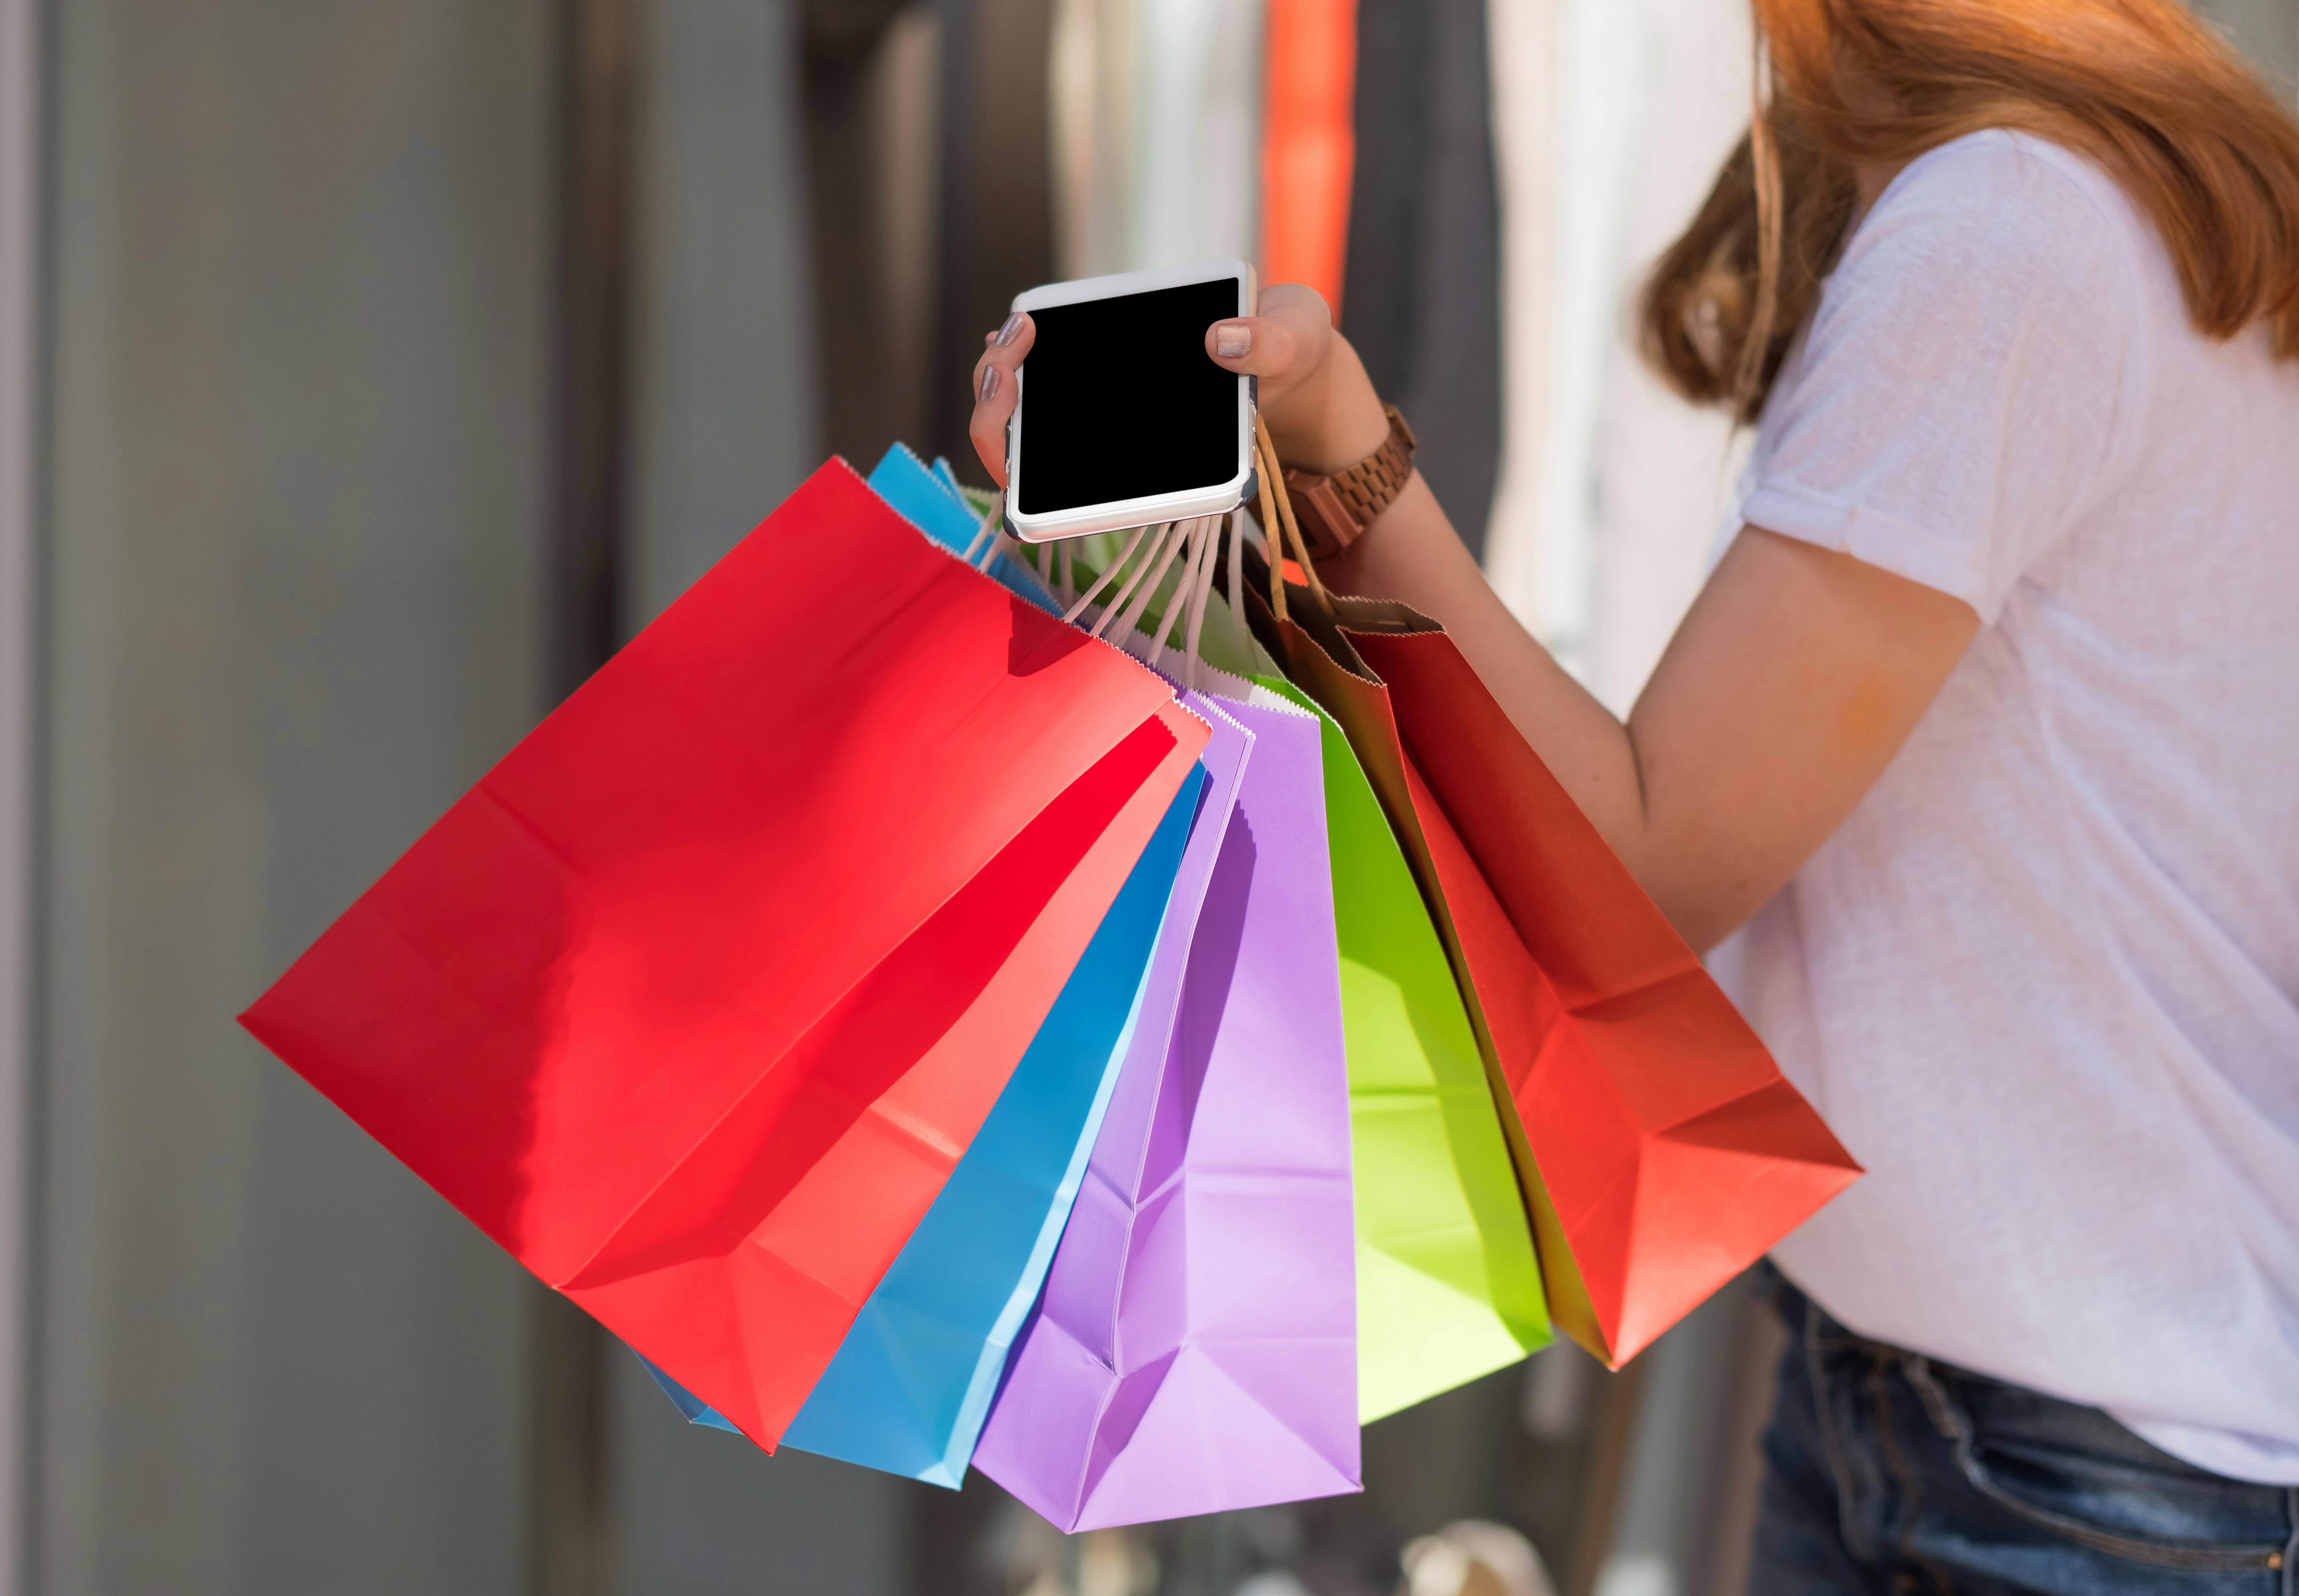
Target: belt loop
(1831,1443)
(2290,1569)
(1925,1378)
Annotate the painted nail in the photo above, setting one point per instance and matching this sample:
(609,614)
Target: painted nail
(1234,340)
(990,375)
(1009,329)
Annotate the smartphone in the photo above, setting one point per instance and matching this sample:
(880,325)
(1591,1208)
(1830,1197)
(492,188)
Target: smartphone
(1121,418)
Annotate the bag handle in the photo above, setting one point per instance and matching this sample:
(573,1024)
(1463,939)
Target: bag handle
(1187,611)
(1272,486)
(992,531)
(1160,541)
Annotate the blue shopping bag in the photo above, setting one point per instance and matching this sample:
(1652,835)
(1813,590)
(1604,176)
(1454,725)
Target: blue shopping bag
(928,497)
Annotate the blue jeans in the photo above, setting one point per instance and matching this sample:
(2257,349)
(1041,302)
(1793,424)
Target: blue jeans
(1890,1473)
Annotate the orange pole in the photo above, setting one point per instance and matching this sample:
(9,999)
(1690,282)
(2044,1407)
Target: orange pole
(1308,152)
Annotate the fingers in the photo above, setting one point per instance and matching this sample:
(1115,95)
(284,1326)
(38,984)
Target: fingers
(995,390)
(1283,344)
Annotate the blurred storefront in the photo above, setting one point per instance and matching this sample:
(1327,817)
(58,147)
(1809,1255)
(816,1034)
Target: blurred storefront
(368,370)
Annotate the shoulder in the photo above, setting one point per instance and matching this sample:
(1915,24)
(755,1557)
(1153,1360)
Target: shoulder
(1972,374)
(2003,162)
(2032,211)
(1991,248)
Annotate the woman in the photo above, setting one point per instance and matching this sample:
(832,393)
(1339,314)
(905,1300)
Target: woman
(1986,729)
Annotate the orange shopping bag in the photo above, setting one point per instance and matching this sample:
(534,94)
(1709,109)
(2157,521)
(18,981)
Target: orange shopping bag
(1661,1149)
(695,1000)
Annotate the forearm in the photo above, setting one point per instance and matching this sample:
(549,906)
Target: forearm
(1694,867)
(1791,685)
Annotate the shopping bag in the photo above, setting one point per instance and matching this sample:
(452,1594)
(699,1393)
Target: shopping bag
(1195,1348)
(695,1001)
(1449,1286)
(1662,1151)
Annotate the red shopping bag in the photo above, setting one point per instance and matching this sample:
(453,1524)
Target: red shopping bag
(1661,1149)
(693,1003)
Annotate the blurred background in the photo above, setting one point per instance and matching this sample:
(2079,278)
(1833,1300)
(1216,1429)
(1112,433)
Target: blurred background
(368,368)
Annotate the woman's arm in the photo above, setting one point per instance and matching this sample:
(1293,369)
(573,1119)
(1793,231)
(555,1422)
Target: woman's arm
(1789,688)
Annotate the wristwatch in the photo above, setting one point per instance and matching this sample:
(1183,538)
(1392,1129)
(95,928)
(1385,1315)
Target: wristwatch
(1333,512)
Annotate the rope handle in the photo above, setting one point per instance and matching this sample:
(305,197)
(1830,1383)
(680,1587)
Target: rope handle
(1269,531)
(1195,543)
(1273,485)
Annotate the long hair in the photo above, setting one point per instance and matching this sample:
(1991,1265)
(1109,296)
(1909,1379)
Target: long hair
(2202,147)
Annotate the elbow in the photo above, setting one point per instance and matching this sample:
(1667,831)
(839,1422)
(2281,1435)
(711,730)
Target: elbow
(1703,928)
(1705,871)
(1678,872)
(1704,907)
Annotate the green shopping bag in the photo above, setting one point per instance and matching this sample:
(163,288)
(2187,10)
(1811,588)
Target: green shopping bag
(1449,1288)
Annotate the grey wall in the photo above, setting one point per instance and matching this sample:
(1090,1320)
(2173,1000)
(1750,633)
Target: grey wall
(299,289)
(724,381)
(699,1512)
(20,100)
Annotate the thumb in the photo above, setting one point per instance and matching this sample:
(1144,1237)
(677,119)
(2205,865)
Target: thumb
(1285,343)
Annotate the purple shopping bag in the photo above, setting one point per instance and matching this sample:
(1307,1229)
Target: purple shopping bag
(1196,1346)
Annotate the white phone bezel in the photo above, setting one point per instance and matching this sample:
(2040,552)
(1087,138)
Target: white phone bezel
(1049,525)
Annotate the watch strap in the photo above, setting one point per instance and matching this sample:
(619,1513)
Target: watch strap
(1333,512)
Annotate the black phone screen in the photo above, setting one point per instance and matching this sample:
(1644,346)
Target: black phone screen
(1120,400)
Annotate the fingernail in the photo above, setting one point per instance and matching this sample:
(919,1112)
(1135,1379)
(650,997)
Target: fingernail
(1232,340)
(990,375)
(1009,329)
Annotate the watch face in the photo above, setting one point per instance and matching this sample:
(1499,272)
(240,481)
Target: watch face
(1120,400)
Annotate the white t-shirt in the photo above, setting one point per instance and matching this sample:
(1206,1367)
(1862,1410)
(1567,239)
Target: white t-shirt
(2045,981)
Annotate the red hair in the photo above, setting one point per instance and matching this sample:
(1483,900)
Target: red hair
(2204,147)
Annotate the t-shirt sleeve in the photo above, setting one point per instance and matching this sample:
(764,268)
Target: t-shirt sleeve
(1957,401)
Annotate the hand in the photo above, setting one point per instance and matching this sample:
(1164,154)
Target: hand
(1321,408)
